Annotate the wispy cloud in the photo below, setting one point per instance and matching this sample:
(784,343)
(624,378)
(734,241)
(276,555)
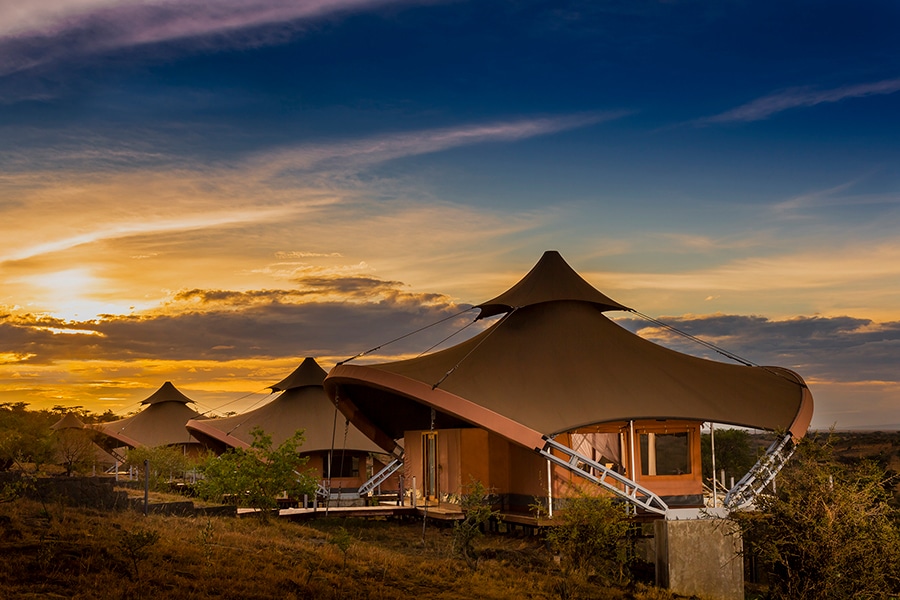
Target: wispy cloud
(359,153)
(39,31)
(836,196)
(157,226)
(89,208)
(765,107)
(800,271)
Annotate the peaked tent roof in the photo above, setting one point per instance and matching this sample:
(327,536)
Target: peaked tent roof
(70,421)
(162,423)
(302,404)
(555,363)
(167,393)
(309,373)
(550,279)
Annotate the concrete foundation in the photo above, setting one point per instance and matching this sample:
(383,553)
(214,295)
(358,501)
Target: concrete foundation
(700,557)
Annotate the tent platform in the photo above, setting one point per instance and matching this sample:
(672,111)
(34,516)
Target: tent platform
(439,513)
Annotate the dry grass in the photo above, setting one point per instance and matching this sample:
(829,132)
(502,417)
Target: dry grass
(60,552)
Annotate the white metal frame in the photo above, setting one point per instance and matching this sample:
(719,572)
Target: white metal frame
(628,489)
(763,472)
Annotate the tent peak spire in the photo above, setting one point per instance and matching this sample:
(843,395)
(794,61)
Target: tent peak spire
(309,373)
(167,393)
(551,279)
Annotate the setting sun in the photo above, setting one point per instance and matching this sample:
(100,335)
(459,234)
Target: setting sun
(69,295)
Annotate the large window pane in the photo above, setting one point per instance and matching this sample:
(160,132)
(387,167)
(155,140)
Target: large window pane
(665,454)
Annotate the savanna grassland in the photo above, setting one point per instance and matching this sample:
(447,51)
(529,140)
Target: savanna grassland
(55,551)
(834,526)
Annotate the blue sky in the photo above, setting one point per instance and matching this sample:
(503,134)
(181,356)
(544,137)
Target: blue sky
(207,192)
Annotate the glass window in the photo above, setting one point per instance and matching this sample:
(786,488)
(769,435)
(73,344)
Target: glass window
(665,453)
(344,466)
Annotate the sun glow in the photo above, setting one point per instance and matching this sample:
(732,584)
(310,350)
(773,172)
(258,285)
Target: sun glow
(71,295)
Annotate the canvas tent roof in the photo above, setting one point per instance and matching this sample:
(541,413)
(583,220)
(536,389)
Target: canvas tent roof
(166,393)
(161,423)
(302,404)
(70,421)
(553,363)
(551,279)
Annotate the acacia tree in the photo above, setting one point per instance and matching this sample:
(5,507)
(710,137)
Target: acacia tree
(74,449)
(828,533)
(257,476)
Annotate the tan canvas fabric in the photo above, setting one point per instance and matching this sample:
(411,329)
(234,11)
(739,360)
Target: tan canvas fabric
(554,365)
(70,421)
(302,404)
(308,373)
(161,423)
(167,393)
(549,280)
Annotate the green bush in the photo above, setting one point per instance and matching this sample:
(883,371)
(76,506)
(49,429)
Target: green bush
(24,436)
(166,463)
(257,476)
(828,533)
(476,506)
(590,534)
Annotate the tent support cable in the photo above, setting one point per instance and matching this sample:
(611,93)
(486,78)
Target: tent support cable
(458,331)
(711,346)
(331,460)
(344,450)
(239,399)
(406,335)
(469,353)
(695,339)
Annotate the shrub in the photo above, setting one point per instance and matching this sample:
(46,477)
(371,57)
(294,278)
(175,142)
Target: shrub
(590,534)
(828,533)
(136,546)
(166,463)
(476,506)
(257,476)
(342,541)
(24,436)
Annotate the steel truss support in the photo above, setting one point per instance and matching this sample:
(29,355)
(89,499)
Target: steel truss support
(380,477)
(608,479)
(763,472)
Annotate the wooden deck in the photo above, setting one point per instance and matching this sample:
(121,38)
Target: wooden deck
(444,512)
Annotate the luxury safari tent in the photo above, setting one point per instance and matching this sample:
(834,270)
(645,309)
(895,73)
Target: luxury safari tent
(74,445)
(554,395)
(161,423)
(338,452)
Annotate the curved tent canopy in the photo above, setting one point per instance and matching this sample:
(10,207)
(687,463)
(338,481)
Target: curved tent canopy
(555,363)
(302,404)
(161,423)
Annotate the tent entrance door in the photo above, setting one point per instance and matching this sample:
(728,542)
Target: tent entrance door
(430,480)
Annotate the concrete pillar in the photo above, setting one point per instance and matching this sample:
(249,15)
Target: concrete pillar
(700,557)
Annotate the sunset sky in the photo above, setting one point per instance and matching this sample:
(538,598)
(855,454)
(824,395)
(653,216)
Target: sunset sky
(207,192)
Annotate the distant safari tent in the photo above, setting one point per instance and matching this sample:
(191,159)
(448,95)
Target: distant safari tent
(554,395)
(75,446)
(342,457)
(161,423)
